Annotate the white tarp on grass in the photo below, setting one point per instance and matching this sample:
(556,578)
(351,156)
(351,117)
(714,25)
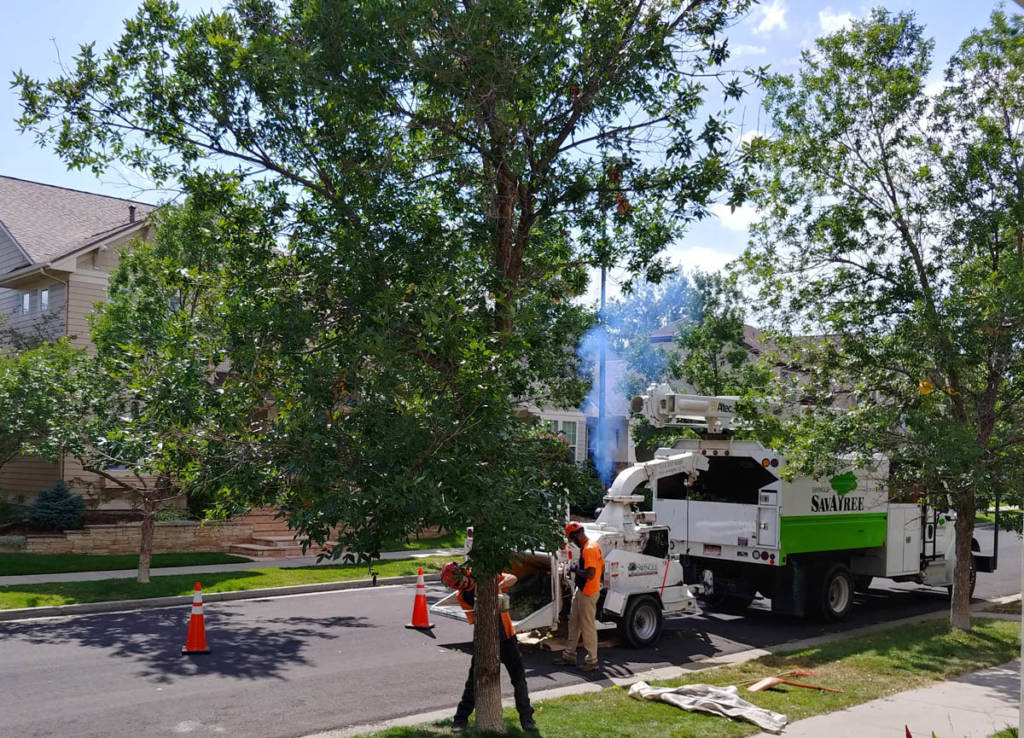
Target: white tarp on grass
(724,701)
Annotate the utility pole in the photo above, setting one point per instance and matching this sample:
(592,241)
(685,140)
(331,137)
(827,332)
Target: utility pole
(602,432)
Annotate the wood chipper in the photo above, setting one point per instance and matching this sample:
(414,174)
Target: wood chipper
(640,582)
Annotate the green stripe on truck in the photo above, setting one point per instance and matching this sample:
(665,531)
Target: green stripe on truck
(806,533)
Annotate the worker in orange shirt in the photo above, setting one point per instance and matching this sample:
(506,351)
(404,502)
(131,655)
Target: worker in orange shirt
(583,613)
(459,578)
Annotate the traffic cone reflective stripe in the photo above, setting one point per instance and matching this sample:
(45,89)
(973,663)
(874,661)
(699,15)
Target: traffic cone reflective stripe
(195,642)
(419,607)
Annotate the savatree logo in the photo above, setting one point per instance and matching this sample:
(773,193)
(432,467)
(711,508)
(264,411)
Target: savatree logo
(641,570)
(842,484)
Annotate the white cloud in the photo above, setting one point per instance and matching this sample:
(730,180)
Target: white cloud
(831,22)
(751,135)
(773,15)
(934,86)
(748,50)
(700,257)
(734,220)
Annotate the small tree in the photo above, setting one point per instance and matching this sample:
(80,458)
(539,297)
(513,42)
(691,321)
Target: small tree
(893,225)
(713,356)
(632,319)
(130,412)
(33,388)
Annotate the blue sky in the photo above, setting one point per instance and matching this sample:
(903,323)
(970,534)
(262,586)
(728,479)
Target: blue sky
(35,35)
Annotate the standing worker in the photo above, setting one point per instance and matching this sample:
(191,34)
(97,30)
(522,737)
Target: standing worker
(583,613)
(461,580)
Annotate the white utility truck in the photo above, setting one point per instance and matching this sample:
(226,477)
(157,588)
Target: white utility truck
(738,528)
(640,582)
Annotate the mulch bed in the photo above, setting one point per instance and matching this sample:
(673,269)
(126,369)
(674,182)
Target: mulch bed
(91,517)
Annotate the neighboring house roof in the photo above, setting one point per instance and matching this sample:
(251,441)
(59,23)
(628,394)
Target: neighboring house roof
(752,337)
(667,333)
(48,222)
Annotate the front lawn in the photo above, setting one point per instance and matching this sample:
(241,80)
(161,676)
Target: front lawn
(13,564)
(866,667)
(107,590)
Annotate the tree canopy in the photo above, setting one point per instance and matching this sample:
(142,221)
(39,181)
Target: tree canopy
(411,190)
(892,230)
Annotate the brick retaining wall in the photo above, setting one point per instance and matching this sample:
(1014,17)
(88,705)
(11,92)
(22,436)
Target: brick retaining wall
(172,536)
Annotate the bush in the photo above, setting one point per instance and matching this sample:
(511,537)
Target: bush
(56,508)
(172,513)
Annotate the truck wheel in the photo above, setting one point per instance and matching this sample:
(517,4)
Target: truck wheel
(835,595)
(641,623)
(974,581)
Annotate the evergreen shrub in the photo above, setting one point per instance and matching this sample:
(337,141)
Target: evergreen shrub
(56,508)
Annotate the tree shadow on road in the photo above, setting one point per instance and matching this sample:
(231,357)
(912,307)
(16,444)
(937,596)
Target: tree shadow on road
(239,647)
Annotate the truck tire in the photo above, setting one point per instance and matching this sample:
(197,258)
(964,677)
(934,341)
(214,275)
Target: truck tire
(974,581)
(640,625)
(835,593)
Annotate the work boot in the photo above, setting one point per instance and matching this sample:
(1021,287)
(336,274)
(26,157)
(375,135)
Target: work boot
(566,659)
(591,666)
(460,726)
(528,725)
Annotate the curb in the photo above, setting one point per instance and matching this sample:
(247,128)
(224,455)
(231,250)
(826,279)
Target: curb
(664,672)
(155,603)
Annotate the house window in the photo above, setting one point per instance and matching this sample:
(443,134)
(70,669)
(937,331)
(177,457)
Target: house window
(44,300)
(26,302)
(569,431)
(551,426)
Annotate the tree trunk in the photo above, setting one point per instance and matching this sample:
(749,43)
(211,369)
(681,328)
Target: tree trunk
(960,602)
(146,539)
(488,665)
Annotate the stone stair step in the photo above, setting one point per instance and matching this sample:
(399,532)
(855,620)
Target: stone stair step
(256,551)
(278,541)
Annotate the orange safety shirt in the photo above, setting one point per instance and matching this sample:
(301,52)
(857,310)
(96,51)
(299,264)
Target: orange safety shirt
(467,599)
(592,557)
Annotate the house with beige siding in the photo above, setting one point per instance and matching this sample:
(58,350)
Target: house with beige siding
(58,248)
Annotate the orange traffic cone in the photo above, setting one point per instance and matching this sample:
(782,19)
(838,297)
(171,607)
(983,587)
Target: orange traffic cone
(195,642)
(419,607)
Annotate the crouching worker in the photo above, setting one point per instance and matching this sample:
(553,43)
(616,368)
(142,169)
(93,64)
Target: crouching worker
(459,578)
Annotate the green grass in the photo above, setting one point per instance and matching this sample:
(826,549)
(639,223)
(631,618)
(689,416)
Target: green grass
(1008,733)
(17,564)
(867,668)
(1009,520)
(106,590)
(449,540)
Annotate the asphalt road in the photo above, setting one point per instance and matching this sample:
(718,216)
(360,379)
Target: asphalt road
(297,665)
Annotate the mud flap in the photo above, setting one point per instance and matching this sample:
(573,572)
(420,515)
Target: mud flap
(792,583)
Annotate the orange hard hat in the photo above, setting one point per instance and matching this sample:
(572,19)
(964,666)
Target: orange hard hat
(572,528)
(456,575)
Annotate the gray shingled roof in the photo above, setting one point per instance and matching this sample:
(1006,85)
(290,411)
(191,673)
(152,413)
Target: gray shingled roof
(49,222)
(752,337)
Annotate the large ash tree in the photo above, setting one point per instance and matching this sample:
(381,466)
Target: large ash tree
(431,181)
(894,226)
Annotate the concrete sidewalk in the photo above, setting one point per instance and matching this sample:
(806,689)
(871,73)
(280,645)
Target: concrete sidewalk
(974,705)
(89,576)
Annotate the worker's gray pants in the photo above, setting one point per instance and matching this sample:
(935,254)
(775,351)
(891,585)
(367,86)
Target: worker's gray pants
(582,621)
